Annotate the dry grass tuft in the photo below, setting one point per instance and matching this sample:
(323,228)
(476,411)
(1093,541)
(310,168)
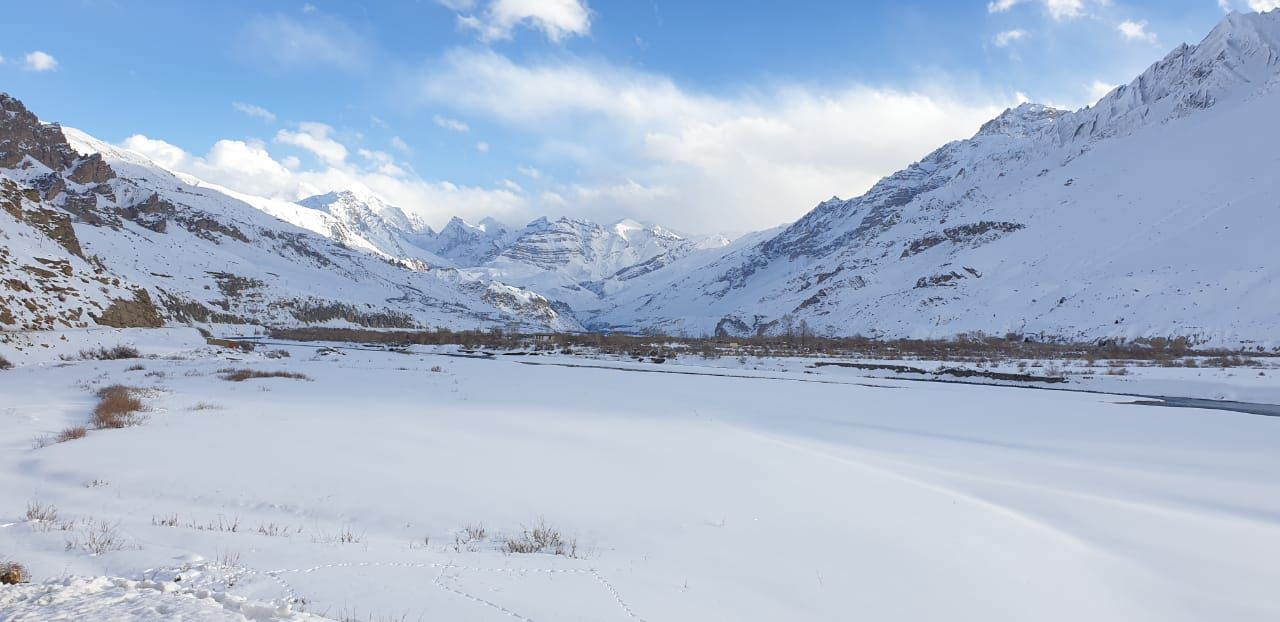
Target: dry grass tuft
(541,539)
(13,573)
(118,407)
(111,354)
(240,375)
(205,406)
(72,433)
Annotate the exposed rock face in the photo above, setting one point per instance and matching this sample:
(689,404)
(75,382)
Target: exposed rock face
(22,135)
(138,312)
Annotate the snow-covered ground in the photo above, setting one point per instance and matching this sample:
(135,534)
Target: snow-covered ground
(706,491)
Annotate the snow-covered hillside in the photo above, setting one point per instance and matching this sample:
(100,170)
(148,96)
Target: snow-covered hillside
(1147,214)
(385,486)
(103,226)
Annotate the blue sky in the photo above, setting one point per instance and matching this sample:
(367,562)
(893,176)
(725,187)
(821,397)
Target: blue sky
(701,115)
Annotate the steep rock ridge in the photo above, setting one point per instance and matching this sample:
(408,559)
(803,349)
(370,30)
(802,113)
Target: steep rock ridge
(110,238)
(1138,216)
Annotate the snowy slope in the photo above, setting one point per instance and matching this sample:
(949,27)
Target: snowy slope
(205,256)
(1144,215)
(765,495)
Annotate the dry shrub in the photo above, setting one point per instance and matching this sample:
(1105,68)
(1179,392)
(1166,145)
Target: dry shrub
(96,537)
(469,537)
(276,530)
(5,364)
(111,354)
(240,375)
(165,521)
(541,539)
(277,354)
(135,368)
(205,406)
(118,407)
(72,433)
(13,573)
(437,368)
(41,512)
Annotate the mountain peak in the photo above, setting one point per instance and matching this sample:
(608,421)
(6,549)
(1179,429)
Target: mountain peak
(1021,120)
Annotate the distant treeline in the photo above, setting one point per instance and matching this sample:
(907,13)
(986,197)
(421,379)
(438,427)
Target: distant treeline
(963,347)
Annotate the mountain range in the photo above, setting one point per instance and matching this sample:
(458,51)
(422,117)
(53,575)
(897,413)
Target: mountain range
(1147,214)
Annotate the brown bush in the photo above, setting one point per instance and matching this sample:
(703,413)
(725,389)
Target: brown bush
(70,434)
(5,364)
(13,573)
(240,375)
(118,407)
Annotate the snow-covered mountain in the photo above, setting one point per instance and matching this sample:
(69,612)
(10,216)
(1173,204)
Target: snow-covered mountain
(574,261)
(1148,214)
(111,238)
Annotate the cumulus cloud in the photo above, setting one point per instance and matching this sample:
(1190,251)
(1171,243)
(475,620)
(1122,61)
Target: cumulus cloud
(450,124)
(1058,9)
(1137,31)
(482,147)
(645,147)
(316,40)
(1008,37)
(316,138)
(498,19)
(257,112)
(40,61)
(247,166)
(1264,5)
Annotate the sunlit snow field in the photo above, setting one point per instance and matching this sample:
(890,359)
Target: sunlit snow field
(781,493)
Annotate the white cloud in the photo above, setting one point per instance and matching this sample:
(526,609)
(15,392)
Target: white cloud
(529,171)
(451,124)
(482,147)
(1008,37)
(557,19)
(1,60)
(1058,9)
(246,166)
(1264,5)
(308,8)
(314,41)
(255,111)
(1136,31)
(316,138)
(400,145)
(642,146)
(40,61)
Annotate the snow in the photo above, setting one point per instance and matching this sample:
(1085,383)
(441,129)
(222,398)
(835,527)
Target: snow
(1141,216)
(775,493)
